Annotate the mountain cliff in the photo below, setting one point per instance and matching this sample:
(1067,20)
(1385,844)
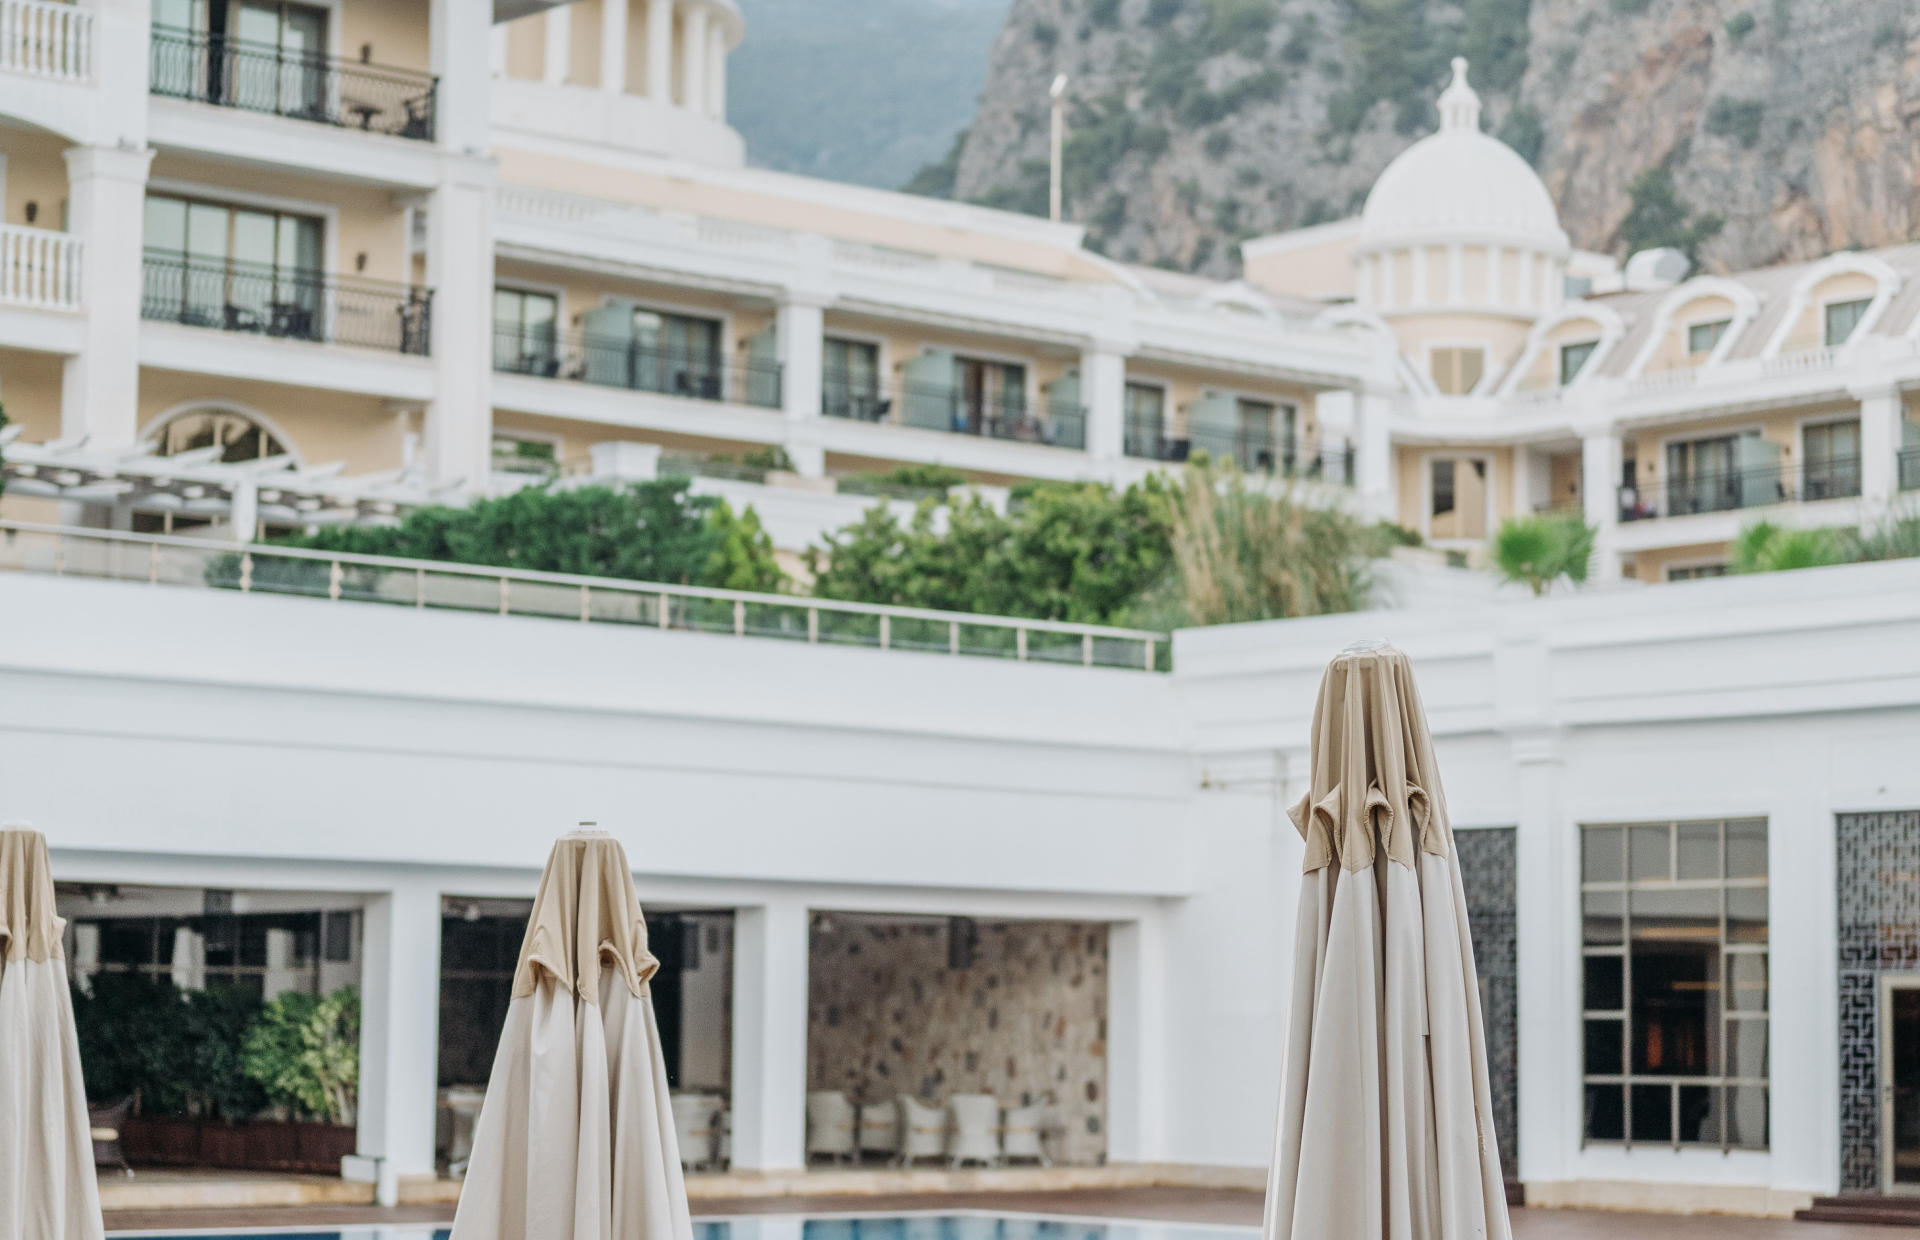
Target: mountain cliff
(1746,131)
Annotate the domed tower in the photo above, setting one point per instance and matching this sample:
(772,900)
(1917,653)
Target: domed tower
(1460,248)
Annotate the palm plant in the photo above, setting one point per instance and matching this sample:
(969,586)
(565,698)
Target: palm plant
(1537,551)
(1764,547)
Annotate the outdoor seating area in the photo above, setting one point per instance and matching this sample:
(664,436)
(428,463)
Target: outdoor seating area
(703,1128)
(969,1129)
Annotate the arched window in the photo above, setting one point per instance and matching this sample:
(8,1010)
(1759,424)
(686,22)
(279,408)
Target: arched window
(240,437)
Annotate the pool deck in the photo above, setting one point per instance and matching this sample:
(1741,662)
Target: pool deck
(1190,1205)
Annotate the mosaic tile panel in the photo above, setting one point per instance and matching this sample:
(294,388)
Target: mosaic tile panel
(1487,870)
(1026,1020)
(1879,932)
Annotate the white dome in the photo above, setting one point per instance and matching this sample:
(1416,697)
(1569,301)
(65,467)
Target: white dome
(1460,184)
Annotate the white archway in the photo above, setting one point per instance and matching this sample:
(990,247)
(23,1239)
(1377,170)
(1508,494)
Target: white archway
(149,434)
(1886,284)
(1746,307)
(1606,318)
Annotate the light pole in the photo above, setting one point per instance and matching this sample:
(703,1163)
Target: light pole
(1057,93)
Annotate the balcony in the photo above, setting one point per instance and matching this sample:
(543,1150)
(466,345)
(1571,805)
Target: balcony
(1748,488)
(39,268)
(288,303)
(254,77)
(1287,456)
(956,411)
(52,41)
(635,366)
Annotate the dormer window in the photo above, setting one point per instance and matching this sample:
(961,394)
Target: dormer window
(1573,359)
(1702,337)
(1456,370)
(1842,318)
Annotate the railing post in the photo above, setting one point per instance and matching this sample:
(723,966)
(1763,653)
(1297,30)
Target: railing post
(153,564)
(419,587)
(886,631)
(1086,649)
(739,618)
(246,572)
(813,624)
(1150,644)
(665,599)
(586,604)
(953,637)
(1020,642)
(333,580)
(504,586)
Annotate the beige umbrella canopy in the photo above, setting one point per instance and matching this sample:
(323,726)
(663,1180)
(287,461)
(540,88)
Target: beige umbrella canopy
(1386,1117)
(47,1188)
(575,1138)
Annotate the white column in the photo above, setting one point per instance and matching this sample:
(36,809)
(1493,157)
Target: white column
(244,517)
(498,43)
(1103,393)
(559,45)
(122,60)
(799,339)
(693,56)
(399,1034)
(100,387)
(660,50)
(1496,295)
(717,71)
(1547,972)
(459,421)
(459,35)
(1137,1056)
(1374,471)
(1881,413)
(1419,293)
(1600,496)
(1456,288)
(613,46)
(770,1037)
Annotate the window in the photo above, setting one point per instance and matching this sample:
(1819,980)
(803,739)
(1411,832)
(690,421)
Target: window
(992,395)
(1842,317)
(239,437)
(1457,505)
(274,55)
(1830,459)
(1701,477)
(1694,572)
(513,454)
(1573,357)
(265,954)
(677,353)
(1146,424)
(1702,337)
(1674,982)
(526,332)
(850,380)
(240,268)
(1457,371)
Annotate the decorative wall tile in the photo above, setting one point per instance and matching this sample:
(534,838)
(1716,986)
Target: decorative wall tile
(1879,932)
(1025,1021)
(1487,871)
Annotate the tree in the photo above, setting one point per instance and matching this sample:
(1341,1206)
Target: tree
(1659,218)
(1537,551)
(1063,551)
(305,1052)
(1241,553)
(1764,547)
(649,531)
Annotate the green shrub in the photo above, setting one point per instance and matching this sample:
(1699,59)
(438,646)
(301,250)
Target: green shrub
(304,1052)
(1658,217)
(1764,547)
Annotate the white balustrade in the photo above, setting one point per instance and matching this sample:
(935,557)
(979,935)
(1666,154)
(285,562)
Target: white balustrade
(39,268)
(46,40)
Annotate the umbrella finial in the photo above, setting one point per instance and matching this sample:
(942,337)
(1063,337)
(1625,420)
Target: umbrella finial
(1367,645)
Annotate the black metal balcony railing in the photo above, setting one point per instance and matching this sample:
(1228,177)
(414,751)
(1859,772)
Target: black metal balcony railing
(638,367)
(951,409)
(1909,465)
(1289,456)
(308,86)
(1745,488)
(286,302)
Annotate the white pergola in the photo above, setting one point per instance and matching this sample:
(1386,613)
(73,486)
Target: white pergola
(197,483)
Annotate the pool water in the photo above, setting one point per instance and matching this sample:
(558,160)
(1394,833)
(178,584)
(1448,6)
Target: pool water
(959,1226)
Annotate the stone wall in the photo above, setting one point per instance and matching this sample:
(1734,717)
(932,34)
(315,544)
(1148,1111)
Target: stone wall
(1026,1021)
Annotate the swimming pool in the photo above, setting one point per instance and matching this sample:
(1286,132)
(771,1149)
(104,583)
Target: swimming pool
(958,1225)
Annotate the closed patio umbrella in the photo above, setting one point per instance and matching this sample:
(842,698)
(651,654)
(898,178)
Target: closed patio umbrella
(1386,1128)
(575,1138)
(47,1188)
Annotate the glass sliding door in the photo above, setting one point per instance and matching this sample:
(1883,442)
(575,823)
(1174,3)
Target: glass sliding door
(1700,476)
(1900,1083)
(850,380)
(677,354)
(525,332)
(239,268)
(1831,460)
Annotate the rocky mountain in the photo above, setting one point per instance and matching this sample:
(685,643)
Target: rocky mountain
(857,91)
(1747,131)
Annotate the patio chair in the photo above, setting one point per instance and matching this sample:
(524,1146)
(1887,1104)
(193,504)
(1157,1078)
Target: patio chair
(105,1120)
(1023,1134)
(976,1130)
(880,1128)
(693,1128)
(726,1139)
(830,1125)
(923,1131)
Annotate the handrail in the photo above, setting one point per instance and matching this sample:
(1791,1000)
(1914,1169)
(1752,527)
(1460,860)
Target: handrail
(292,302)
(311,86)
(266,569)
(39,267)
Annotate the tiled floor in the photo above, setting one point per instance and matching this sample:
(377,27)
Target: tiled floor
(1188,1205)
